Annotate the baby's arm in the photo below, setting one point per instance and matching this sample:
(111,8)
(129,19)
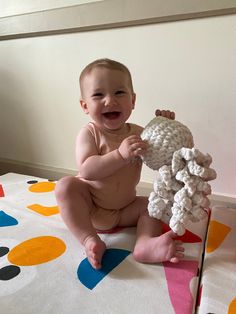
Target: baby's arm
(93,166)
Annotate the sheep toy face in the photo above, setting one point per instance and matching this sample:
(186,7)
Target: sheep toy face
(181,189)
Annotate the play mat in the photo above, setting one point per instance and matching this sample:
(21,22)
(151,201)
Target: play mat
(43,269)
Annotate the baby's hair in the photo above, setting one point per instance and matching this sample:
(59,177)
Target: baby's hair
(105,63)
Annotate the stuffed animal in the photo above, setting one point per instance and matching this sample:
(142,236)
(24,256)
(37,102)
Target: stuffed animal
(181,188)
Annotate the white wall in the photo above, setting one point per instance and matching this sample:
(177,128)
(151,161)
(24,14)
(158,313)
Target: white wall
(15,7)
(186,66)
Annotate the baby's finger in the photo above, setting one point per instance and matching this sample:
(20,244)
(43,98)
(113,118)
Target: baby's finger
(178,242)
(140,147)
(157,112)
(134,138)
(139,152)
(165,113)
(180,249)
(172,115)
(174,260)
(179,255)
(139,143)
(179,246)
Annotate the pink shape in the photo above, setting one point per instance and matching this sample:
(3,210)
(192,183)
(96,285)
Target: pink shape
(178,278)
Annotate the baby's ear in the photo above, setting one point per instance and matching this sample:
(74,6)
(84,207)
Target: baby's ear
(84,106)
(133,99)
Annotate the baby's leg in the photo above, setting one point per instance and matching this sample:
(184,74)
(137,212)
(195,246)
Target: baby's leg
(152,246)
(75,203)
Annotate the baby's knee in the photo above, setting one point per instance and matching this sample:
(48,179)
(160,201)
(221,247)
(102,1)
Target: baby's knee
(66,186)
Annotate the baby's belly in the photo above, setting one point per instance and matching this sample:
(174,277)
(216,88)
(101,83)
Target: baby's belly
(110,197)
(118,190)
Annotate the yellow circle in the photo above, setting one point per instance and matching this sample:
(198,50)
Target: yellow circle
(41,187)
(36,251)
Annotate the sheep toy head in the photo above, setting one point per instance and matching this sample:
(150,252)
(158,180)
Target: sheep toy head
(181,188)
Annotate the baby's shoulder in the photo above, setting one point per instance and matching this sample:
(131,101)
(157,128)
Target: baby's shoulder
(86,131)
(135,128)
(89,128)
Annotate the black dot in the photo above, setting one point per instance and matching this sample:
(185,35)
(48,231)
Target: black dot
(9,272)
(3,250)
(32,181)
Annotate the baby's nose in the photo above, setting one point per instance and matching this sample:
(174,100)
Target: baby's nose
(110,100)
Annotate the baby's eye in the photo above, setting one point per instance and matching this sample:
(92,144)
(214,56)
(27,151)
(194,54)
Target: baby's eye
(97,95)
(120,92)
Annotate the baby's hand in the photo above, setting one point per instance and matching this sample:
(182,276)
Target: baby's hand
(132,146)
(165,113)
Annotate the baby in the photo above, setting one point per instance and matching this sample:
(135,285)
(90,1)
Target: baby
(108,149)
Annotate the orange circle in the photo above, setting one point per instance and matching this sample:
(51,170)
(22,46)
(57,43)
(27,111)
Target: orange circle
(36,251)
(42,187)
(232,307)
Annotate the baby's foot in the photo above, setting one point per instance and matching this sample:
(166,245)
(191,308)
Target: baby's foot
(95,248)
(159,249)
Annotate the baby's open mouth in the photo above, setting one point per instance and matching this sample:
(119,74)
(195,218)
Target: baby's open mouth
(111,115)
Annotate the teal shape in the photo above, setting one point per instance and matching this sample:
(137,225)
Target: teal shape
(90,277)
(7,220)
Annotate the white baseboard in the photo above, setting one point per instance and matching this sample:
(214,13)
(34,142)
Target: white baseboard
(38,170)
(55,173)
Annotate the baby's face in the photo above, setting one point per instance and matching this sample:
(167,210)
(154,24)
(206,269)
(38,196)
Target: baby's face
(107,97)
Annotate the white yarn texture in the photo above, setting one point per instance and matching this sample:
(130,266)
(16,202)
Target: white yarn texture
(181,188)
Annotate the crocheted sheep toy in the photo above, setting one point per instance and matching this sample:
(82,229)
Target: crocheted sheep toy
(181,189)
